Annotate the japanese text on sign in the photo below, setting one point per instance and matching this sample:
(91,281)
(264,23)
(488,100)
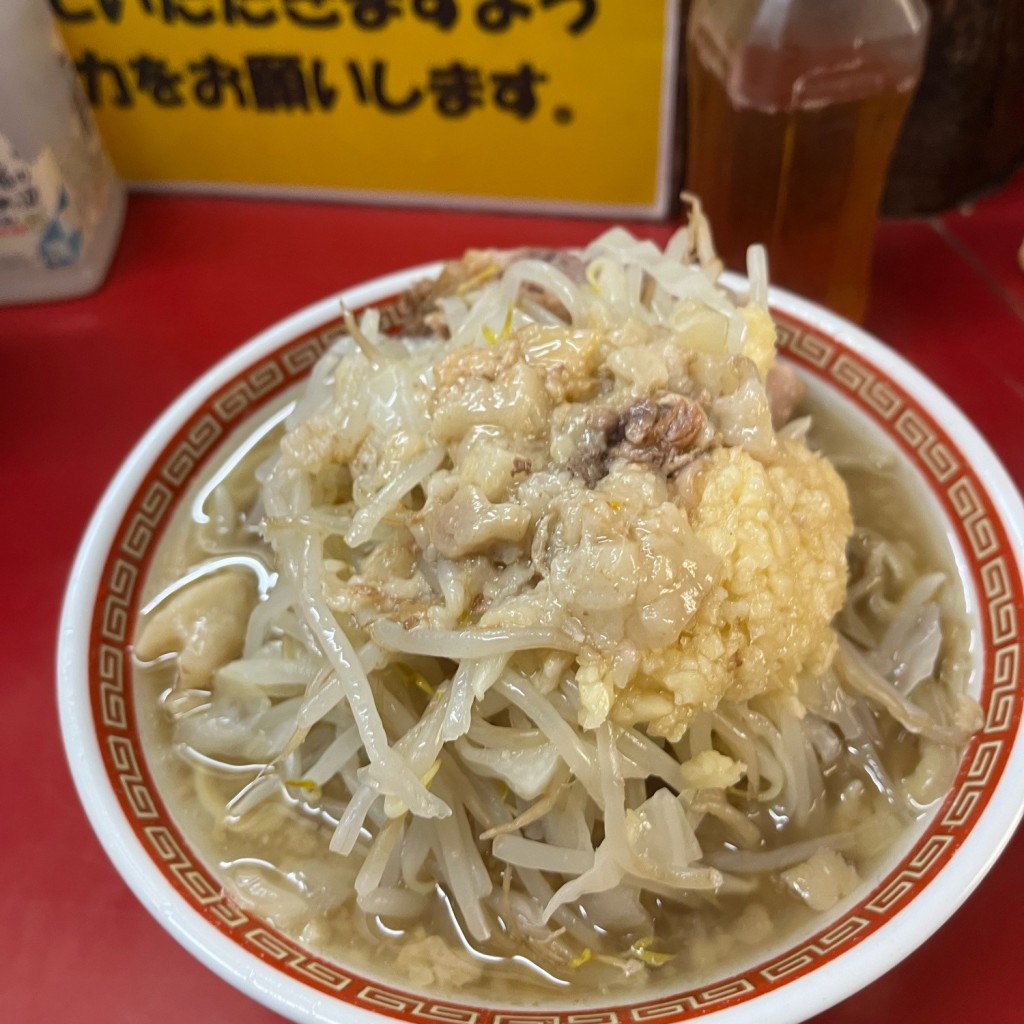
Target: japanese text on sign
(489,15)
(177,84)
(275,82)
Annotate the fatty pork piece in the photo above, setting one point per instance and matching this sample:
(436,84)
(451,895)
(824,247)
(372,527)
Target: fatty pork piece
(203,623)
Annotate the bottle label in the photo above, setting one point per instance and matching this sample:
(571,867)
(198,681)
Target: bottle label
(44,225)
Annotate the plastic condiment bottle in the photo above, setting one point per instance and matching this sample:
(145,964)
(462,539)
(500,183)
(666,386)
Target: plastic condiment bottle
(794,107)
(61,204)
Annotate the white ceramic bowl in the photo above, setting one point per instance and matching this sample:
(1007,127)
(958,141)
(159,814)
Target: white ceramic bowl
(962,488)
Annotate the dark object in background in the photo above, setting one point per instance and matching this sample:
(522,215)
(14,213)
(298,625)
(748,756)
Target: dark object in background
(965,129)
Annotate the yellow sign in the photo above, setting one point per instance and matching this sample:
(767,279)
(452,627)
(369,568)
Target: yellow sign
(541,104)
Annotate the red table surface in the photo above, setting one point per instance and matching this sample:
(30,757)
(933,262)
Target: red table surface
(195,277)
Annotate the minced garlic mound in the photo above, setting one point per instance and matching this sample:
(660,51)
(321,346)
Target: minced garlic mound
(780,528)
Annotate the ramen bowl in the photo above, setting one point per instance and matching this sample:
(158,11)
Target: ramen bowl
(956,492)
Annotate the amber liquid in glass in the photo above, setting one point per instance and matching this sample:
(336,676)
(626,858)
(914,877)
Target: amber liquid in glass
(804,181)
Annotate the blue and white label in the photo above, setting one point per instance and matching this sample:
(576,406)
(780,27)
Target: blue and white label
(41,224)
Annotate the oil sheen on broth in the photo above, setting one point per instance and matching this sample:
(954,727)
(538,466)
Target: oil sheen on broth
(275,859)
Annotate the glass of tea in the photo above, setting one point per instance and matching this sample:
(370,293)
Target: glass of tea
(794,107)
